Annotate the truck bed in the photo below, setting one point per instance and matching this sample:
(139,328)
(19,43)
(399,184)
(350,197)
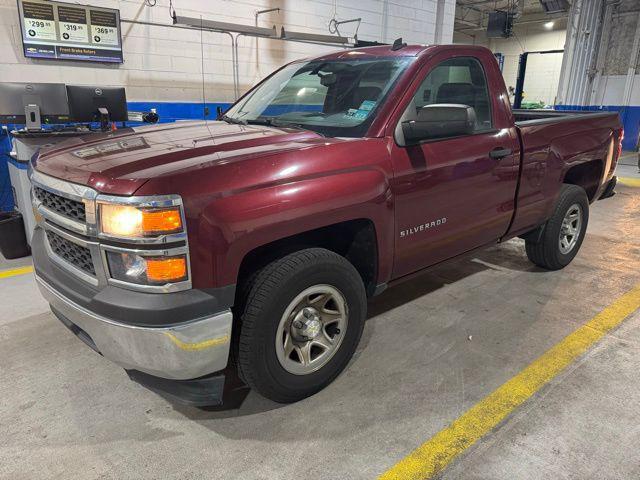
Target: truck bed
(525,117)
(553,142)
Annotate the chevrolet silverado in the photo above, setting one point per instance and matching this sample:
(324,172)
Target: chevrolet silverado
(250,244)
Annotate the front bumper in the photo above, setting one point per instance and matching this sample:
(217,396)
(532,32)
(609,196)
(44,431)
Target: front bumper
(178,336)
(183,351)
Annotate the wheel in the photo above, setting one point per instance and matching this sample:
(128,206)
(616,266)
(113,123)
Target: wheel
(300,323)
(563,233)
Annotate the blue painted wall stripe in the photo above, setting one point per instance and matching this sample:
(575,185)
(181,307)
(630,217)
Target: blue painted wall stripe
(630,117)
(172,111)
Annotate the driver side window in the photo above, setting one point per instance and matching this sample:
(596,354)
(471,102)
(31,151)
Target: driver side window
(459,81)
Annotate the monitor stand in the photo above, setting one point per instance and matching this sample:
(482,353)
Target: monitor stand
(103,115)
(33,119)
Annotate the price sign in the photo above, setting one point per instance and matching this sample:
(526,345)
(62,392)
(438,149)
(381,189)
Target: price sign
(40,29)
(74,32)
(39,22)
(70,31)
(104,35)
(73,24)
(104,29)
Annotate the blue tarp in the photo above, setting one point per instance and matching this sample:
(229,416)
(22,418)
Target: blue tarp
(6,194)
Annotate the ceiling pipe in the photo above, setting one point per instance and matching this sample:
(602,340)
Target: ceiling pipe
(255,16)
(335,24)
(268,10)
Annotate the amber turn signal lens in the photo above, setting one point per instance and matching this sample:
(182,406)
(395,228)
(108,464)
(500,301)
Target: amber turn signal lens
(159,221)
(166,269)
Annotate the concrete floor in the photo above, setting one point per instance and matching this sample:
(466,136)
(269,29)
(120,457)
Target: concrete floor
(431,349)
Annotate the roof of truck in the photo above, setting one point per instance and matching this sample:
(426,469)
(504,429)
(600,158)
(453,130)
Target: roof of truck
(387,51)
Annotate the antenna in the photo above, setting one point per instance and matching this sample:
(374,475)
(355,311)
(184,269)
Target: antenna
(398,44)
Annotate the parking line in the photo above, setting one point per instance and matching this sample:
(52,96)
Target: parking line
(16,271)
(435,454)
(629,181)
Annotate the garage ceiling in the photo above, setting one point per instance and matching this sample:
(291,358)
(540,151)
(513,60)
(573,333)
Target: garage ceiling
(472,14)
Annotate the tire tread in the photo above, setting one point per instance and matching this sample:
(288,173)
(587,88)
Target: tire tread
(257,291)
(545,252)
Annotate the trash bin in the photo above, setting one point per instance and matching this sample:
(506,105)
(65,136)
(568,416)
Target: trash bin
(13,241)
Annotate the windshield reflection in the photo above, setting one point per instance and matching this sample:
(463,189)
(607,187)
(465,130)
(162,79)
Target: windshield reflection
(334,97)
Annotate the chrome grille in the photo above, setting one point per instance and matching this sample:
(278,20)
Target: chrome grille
(76,255)
(64,206)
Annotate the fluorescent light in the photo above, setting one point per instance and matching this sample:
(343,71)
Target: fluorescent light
(224,26)
(312,37)
(548,25)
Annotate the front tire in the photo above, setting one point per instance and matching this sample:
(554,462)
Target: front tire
(563,233)
(300,323)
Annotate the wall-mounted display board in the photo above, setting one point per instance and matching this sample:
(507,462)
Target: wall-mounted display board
(68,31)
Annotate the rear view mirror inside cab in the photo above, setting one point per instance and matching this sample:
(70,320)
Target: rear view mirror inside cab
(328,79)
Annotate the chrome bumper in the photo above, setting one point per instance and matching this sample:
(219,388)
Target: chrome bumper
(179,352)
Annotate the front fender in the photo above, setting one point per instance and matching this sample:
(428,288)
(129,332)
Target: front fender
(238,223)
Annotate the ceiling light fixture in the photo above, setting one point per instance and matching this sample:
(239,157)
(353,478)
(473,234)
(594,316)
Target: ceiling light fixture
(312,37)
(224,26)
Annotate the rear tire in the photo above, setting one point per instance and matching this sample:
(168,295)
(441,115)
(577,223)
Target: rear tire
(563,233)
(301,319)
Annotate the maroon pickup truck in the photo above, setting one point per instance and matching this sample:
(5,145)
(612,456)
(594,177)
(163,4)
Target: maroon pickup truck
(185,252)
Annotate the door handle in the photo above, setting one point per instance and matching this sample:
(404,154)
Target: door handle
(500,152)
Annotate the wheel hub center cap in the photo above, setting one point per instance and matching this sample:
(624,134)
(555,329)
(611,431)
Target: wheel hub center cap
(306,324)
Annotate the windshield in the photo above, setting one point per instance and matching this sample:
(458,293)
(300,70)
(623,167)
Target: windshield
(334,97)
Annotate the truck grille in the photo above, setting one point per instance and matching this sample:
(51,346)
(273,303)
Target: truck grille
(64,206)
(76,255)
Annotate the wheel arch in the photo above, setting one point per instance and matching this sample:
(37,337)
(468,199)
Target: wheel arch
(356,240)
(587,175)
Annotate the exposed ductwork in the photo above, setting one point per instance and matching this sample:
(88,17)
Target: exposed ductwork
(555,6)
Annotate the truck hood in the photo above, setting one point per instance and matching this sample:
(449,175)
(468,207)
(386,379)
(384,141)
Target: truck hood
(120,162)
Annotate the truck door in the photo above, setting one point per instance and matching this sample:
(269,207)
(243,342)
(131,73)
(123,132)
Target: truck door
(454,193)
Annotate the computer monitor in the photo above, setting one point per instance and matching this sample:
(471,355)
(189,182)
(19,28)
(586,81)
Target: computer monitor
(97,104)
(51,98)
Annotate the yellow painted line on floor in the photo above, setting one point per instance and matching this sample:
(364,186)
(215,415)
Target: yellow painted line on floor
(435,454)
(629,181)
(15,271)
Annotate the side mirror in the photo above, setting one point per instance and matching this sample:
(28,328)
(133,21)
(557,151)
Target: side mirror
(439,121)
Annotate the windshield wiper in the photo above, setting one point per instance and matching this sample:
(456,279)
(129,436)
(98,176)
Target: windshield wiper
(276,122)
(235,121)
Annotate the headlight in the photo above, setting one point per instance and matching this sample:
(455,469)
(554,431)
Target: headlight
(136,222)
(147,270)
